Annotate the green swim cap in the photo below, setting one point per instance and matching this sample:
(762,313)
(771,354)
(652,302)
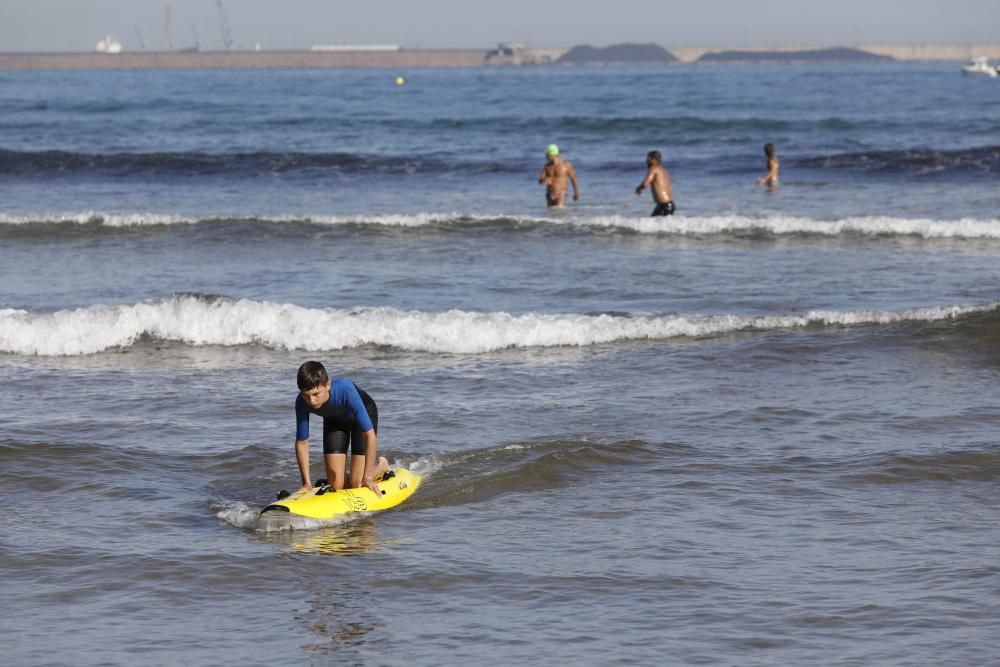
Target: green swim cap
(552,150)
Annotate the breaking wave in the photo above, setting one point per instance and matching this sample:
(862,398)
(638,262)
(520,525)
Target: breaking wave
(722,225)
(200,320)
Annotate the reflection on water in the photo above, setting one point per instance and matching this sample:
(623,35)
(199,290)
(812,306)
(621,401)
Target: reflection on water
(337,614)
(337,618)
(340,636)
(351,539)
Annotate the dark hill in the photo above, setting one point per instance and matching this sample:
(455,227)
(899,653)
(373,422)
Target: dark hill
(838,55)
(617,54)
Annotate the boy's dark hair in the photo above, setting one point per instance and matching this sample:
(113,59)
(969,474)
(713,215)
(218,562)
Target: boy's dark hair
(655,156)
(769,150)
(312,374)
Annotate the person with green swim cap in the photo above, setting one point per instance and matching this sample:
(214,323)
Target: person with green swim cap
(554,175)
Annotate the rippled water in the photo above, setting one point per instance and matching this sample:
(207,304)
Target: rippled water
(762,432)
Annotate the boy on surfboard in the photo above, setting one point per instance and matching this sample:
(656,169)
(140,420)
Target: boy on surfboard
(350,417)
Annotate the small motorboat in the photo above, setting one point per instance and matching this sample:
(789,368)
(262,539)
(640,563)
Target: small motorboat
(109,45)
(980,67)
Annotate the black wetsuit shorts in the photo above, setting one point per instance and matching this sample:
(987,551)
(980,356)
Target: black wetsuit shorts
(663,209)
(337,434)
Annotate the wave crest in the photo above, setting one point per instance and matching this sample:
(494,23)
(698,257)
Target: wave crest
(199,320)
(722,225)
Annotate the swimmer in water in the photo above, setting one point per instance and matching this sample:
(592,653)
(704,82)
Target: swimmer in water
(658,181)
(770,179)
(554,175)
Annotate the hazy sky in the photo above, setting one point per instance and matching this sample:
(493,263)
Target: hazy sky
(76,25)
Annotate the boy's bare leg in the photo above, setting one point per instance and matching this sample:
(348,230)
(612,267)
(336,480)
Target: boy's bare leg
(335,465)
(358,469)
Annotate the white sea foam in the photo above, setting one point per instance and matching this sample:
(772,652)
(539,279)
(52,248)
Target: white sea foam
(236,513)
(196,320)
(154,219)
(245,516)
(97,218)
(968,228)
(425,466)
(962,228)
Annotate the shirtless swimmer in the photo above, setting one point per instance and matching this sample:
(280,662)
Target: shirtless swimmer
(554,175)
(658,181)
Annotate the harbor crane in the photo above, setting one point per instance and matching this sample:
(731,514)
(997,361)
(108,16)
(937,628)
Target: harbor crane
(166,30)
(227,33)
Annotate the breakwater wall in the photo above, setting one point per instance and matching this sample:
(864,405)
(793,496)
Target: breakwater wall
(244,59)
(933,52)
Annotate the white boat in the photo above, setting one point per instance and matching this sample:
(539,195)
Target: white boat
(109,45)
(980,67)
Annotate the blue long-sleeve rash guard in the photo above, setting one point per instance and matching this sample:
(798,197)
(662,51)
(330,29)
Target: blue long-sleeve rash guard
(345,406)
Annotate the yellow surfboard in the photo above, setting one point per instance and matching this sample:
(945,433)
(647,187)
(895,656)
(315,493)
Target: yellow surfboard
(324,503)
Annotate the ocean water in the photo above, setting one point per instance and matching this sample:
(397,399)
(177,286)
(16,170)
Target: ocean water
(762,432)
